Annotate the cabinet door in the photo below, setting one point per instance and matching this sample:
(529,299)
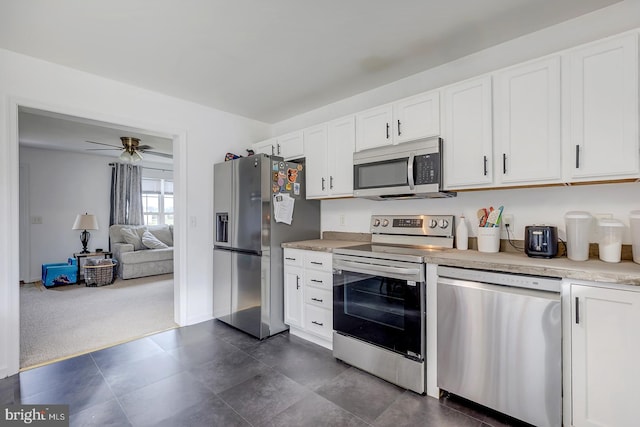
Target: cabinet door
(290,146)
(316,163)
(605,345)
(341,144)
(604,110)
(468,134)
(527,133)
(293,296)
(265,147)
(373,128)
(416,117)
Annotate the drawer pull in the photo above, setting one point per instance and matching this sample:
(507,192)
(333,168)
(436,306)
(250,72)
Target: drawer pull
(316,263)
(317,323)
(317,281)
(290,259)
(316,299)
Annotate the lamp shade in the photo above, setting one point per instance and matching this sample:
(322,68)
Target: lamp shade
(85,222)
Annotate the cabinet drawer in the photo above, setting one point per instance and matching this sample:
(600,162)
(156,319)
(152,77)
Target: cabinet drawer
(293,257)
(319,297)
(318,260)
(319,279)
(318,321)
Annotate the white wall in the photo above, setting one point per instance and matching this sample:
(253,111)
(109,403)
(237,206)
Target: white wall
(201,138)
(527,205)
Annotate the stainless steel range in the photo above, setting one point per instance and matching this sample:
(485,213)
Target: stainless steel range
(379,297)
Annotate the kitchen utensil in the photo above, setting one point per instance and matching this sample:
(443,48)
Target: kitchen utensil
(493,218)
(482,217)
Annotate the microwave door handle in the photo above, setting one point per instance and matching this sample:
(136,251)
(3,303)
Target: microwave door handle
(410,178)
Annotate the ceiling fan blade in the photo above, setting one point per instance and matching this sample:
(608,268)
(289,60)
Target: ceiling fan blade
(103,149)
(144,147)
(155,153)
(102,143)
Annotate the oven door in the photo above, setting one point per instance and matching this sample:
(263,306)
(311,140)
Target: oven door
(380,302)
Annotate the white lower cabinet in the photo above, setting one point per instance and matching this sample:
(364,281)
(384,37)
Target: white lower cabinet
(308,302)
(605,345)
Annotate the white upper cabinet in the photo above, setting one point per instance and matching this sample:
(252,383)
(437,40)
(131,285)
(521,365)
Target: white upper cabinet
(467,135)
(374,127)
(602,81)
(416,117)
(316,162)
(342,144)
(289,146)
(329,158)
(527,130)
(405,120)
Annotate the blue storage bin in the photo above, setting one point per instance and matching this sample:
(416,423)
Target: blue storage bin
(60,273)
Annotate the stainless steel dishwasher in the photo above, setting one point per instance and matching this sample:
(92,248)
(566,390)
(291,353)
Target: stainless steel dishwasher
(499,342)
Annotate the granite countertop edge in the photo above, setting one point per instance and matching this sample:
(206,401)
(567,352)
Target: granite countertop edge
(594,270)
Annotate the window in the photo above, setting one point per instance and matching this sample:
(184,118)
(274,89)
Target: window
(157,201)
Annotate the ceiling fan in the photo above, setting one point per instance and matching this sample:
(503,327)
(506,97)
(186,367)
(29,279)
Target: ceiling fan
(131,149)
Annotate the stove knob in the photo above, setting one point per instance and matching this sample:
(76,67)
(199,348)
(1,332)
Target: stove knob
(443,223)
(376,222)
(385,222)
(433,223)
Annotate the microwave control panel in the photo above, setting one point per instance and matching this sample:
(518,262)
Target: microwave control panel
(427,169)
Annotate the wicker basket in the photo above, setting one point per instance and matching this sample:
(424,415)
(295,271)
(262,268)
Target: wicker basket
(100,275)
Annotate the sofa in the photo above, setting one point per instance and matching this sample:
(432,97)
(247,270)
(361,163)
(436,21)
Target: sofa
(142,250)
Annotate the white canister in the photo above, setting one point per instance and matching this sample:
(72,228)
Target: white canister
(578,224)
(610,239)
(489,239)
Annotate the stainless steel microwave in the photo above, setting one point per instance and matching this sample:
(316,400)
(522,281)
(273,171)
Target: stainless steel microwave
(409,170)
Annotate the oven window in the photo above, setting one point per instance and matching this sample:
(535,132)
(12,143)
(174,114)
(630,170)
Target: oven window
(377,299)
(391,173)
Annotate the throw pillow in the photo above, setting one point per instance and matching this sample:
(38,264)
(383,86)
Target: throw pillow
(131,236)
(151,242)
(163,234)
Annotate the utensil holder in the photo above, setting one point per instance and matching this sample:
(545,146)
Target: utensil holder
(489,239)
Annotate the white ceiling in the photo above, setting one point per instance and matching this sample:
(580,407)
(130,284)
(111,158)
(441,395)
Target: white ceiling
(268,60)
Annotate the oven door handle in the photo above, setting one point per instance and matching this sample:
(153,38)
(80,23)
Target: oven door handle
(371,268)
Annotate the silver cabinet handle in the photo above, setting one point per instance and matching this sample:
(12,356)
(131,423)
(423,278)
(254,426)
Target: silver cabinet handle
(273,150)
(577,311)
(485,165)
(399,132)
(278,145)
(330,182)
(290,259)
(316,299)
(323,184)
(317,323)
(504,163)
(316,263)
(388,131)
(297,282)
(577,156)
(317,281)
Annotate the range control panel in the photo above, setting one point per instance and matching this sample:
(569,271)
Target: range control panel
(413,225)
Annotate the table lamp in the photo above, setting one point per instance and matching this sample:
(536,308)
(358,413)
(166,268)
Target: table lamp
(85,222)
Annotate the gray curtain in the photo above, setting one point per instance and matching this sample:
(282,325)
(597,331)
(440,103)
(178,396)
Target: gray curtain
(126,194)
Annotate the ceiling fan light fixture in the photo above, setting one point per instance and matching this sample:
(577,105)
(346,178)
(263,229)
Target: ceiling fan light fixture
(136,157)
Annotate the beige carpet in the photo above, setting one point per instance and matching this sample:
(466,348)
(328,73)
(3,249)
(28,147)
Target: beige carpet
(68,320)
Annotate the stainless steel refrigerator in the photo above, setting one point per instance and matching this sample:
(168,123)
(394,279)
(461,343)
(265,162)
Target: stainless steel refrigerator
(248,280)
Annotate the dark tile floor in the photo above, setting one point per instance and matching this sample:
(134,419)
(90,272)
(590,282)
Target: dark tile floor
(213,375)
